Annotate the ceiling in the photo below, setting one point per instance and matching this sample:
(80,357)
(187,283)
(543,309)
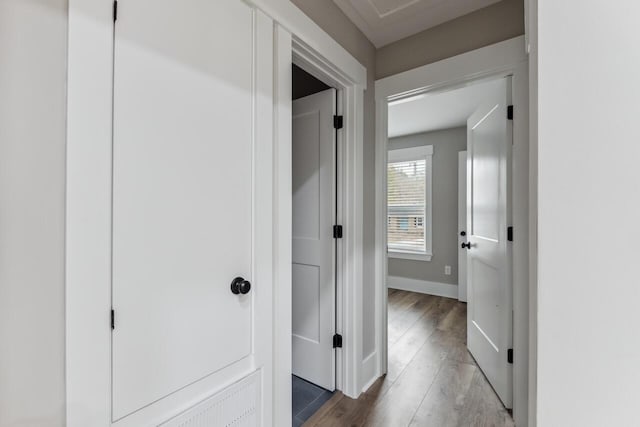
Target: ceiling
(444,110)
(386,21)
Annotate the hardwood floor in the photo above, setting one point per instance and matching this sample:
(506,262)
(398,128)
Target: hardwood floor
(432,379)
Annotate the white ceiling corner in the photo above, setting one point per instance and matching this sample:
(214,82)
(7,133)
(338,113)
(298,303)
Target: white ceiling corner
(439,110)
(387,21)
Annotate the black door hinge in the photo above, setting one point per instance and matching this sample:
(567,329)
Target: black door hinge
(113,319)
(337,232)
(510,356)
(338,122)
(510,112)
(337,341)
(115,10)
(510,234)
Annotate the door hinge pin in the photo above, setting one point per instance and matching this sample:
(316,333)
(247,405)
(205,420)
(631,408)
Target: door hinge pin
(338,122)
(510,356)
(337,341)
(337,232)
(510,112)
(510,234)
(115,10)
(113,319)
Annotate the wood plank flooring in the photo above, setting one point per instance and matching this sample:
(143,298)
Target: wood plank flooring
(432,379)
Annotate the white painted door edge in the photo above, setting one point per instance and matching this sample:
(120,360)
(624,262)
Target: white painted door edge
(501,59)
(462,225)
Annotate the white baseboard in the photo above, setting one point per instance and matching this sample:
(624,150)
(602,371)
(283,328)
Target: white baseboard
(369,371)
(423,286)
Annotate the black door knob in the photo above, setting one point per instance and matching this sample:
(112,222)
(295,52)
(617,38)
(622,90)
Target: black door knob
(240,286)
(463,233)
(466,245)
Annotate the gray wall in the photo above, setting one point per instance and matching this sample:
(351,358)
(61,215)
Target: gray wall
(493,24)
(32,158)
(446,145)
(331,19)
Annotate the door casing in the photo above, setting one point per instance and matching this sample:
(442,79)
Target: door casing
(507,58)
(350,81)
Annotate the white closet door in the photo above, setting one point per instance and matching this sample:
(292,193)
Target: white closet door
(188,184)
(489,313)
(313,278)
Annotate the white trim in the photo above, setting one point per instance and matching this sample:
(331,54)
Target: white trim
(423,286)
(88,214)
(282,219)
(507,58)
(90,41)
(457,70)
(350,214)
(418,153)
(409,255)
(369,369)
(311,37)
(320,55)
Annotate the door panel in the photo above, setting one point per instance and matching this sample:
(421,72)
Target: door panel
(489,319)
(182,194)
(313,277)
(306,307)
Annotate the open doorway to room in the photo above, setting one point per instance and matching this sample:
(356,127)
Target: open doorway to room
(456,349)
(466,115)
(314,215)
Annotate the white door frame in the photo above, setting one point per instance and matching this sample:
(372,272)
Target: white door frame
(322,57)
(89,122)
(508,58)
(350,95)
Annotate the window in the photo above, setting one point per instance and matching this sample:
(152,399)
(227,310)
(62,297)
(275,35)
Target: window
(409,233)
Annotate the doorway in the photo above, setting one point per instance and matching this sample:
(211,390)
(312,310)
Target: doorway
(314,242)
(427,325)
(502,277)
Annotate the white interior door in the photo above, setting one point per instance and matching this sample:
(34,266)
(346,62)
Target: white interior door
(489,318)
(462,226)
(187,185)
(313,277)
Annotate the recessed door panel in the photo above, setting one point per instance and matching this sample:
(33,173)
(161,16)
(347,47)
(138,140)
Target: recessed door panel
(486,293)
(306,302)
(306,175)
(182,194)
(486,173)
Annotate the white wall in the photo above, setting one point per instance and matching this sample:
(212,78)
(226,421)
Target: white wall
(589,206)
(32,153)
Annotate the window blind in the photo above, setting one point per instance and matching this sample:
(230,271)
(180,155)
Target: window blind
(406,206)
